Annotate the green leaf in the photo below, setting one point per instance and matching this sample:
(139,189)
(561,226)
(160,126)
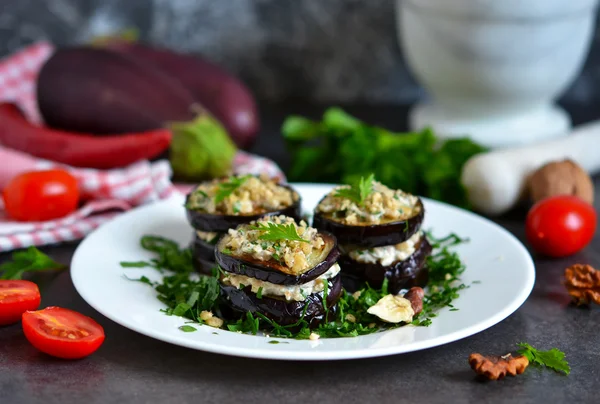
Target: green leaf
(359,192)
(275,232)
(135,264)
(227,188)
(29,260)
(259,293)
(187,328)
(297,128)
(553,359)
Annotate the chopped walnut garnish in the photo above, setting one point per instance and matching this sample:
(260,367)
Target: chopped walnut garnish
(497,367)
(583,283)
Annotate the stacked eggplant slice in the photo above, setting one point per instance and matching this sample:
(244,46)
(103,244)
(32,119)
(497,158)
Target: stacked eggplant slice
(281,268)
(216,206)
(379,235)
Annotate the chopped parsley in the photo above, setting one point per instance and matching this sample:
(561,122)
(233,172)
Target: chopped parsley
(358,192)
(187,328)
(275,232)
(29,260)
(186,294)
(227,188)
(259,292)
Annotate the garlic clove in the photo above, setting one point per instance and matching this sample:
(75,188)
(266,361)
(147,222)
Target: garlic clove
(393,309)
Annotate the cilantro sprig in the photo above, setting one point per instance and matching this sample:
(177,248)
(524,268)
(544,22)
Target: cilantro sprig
(552,359)
(227,188)
(275,232)
(358,192)
(29,260)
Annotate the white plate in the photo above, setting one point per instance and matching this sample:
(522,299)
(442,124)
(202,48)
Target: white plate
(494,257)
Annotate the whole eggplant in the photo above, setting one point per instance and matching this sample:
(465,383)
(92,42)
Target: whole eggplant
(226,97)
(83,89)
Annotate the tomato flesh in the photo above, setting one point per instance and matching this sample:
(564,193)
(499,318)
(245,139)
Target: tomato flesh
(41,195)
(62,333)
(16,297)
(560,226)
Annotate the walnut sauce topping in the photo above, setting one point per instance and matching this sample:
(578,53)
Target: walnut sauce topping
(387,255)
(241,195)
(292,257)
(290,292)
(383,205)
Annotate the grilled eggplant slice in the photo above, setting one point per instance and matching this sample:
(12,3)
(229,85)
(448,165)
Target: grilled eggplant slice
(203,254)
(401,274)
(270,271)
(282,311)
(371,235)
(222,222)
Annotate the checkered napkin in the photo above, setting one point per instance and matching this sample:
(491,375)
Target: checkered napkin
(107,192)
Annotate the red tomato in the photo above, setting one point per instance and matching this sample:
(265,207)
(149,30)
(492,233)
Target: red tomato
(41,195)
(561,225)
(62,332)
(16,297)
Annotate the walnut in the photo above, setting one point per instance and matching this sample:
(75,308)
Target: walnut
(561,178)
(415,297)
(583,283)
(497,367)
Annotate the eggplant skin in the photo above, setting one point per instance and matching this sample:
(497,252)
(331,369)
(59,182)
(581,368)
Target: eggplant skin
(221,223)
(93,90)
(368,236)
(280,310)
(401,274)
(203,255)
(260,271)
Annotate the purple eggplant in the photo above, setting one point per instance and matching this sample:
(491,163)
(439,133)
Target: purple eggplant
(98,91)
(282,311)
(221,223)
(375,235)
(400,275)
(226,97)
(203,255)
(270,271)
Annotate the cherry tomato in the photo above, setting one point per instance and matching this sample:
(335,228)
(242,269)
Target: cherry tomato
(62,332)
(560,226)
(16,297)
(41,195)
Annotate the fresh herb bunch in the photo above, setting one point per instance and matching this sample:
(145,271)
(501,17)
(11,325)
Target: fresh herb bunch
(341,149)
(29,260)
(227,188)
(187,294)
(552,359)
(358,192)
(275,232)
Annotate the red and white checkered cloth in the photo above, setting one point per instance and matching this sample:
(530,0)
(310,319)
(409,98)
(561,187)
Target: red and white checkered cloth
(107,193)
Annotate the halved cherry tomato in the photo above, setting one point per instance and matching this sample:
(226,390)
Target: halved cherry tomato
(561,225)
(16,297)
(62,332)
(41,195)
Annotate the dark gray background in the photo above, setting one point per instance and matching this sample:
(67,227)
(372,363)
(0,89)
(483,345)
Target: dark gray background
(325,50)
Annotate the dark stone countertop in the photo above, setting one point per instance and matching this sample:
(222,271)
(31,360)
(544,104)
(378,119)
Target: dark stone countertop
(131,368)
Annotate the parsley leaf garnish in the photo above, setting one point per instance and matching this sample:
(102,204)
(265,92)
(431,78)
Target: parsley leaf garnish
(553,359)
(187,328)
(359,192)
(227,188)
(275,232)
(29,260)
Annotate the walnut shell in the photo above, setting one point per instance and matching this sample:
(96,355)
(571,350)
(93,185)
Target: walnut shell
(561,178)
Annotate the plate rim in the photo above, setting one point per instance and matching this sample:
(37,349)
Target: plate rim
(274,354)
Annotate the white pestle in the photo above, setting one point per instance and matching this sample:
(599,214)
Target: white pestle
(496,181)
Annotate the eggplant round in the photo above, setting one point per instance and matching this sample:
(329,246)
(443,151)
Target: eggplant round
(400,275)
(221,223)
(203,255)
(374,235)
(269,272)
(282,311)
